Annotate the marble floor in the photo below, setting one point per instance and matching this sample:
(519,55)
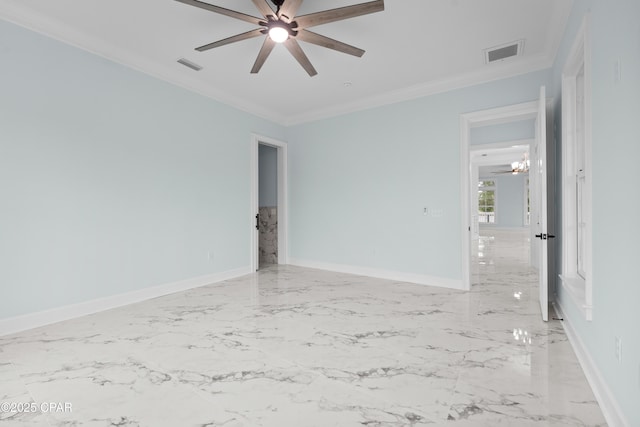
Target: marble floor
(300,347)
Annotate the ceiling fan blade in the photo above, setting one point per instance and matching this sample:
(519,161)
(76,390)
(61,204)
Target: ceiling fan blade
(317,39)
(266,49)
(297,52)
(223,11)
(332,15)
(264,8)
(233,39)
(289,9)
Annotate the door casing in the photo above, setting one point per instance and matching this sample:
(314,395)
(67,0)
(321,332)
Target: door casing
(494,116)
(283,255)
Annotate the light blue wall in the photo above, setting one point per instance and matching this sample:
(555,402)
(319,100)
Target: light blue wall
(510,197)
(110,180)
(513,131)
(616,230)
(268,176)
(359,182)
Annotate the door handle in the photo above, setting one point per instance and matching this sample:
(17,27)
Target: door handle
(545,236)
(257,221)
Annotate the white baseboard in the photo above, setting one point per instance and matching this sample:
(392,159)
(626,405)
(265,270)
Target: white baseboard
(419,279)
(47,317)
(607,401)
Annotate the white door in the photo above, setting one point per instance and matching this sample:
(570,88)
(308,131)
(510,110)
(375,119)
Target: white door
(541,236)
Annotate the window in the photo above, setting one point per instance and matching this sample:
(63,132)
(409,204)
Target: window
(576,175)
(487,202)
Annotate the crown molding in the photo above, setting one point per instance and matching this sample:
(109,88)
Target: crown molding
(58,31)
(170,74)
(490,73)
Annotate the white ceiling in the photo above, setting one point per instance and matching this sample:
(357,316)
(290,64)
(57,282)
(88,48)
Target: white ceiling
(413,48)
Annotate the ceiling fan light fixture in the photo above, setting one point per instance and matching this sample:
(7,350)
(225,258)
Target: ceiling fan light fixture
(278,33)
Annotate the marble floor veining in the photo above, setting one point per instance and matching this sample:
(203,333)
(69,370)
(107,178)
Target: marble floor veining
(291,346)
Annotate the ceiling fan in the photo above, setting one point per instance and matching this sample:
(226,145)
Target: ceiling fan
(283,26)
(518,167)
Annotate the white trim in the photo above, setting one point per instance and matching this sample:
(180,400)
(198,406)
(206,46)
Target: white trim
(526,184)
(579,55)
(502,115)
(608,404)
(477,77)
(173,74)
(254,244)
(283,200)
(505,144)
(59,314)
(398,276)
(575,287)
(498,228)
(167,72)
(466,185)
(523,111)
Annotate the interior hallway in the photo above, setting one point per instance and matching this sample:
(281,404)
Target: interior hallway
(299,347)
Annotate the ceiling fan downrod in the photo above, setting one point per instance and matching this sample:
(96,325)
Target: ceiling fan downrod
(278,4)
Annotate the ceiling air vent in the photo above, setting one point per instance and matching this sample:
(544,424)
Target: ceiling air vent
(189,64)
(502,52)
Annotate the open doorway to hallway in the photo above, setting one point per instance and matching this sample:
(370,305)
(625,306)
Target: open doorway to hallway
(501,212)
(267,220)
(268,208)
(500,173)
(498,121)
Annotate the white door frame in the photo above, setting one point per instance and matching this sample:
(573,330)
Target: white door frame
(494,116)
(283,207)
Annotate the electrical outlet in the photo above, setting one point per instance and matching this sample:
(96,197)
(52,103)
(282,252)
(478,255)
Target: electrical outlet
(210,256)
(619,349)
(425,211)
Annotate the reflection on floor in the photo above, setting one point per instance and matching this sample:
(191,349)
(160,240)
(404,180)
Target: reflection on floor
(299,347)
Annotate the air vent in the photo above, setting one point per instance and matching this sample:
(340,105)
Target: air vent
(502,52)
(189,64)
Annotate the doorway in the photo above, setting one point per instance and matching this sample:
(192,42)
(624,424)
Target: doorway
(267,220)
(268,207)
(542,259)
(500,172)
